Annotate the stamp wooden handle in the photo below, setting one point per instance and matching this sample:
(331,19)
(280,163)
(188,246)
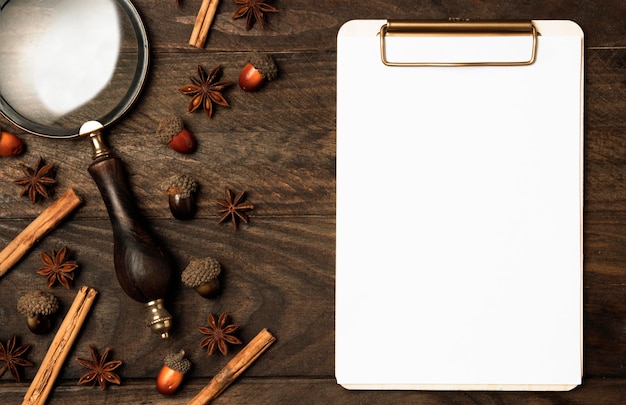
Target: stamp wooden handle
(143,269)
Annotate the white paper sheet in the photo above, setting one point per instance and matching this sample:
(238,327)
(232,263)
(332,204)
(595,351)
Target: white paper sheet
(459,217)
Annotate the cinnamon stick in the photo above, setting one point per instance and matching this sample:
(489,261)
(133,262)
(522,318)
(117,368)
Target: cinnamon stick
(60,347)
(198,23)
(203,22)
(234,368)
(44,223)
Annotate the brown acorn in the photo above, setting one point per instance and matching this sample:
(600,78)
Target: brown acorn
(10,144)
(175,366)
(38,307)
(259,69)
(172,132)
(181,191)
(202,274)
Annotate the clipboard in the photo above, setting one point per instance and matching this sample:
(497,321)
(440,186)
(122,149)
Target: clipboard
(459,205)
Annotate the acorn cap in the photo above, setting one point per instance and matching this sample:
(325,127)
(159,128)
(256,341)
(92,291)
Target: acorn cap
(180,184)
(178,362)
(200,271)
(168,128)
(265,64)
(37,303)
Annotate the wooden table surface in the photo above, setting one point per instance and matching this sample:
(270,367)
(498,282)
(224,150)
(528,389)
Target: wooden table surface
(279,145)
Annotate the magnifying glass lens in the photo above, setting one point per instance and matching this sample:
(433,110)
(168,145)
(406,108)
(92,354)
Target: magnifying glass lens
(65,62)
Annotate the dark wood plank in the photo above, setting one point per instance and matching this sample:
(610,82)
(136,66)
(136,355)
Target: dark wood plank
(279,144)
(305,25)
(315,391)
(605,205)
(278,274)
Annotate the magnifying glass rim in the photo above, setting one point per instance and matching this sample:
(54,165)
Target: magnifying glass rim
(135,88)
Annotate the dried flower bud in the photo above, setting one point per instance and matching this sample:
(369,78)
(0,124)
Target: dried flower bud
(202,274)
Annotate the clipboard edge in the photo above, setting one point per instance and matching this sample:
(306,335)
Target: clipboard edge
(464,387)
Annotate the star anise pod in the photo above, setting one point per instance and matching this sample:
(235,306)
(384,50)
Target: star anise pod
(12,358)
(57,267)
(254,11)
(233,207)
(206,90)
(219,334)
(38,180)
(100,370)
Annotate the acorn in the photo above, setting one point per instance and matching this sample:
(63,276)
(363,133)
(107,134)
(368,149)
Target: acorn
(10,144)
(259,69)
(175,366)
(202,274)
(38,307)
(181,191)
(172,132)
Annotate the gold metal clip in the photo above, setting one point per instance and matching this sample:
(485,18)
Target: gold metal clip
(458,27)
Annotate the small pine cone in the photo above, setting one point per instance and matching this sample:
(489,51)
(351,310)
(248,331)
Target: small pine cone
(37,303)
(200,271)
(178,362)
(265,64)
(168,128)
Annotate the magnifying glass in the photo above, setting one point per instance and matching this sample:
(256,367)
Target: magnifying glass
(72,68)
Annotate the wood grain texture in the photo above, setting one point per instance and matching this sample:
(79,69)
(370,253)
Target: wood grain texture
(314,391)
(279,145)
